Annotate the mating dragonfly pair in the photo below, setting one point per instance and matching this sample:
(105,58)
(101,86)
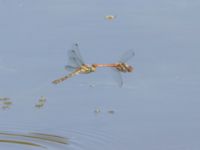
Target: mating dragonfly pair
(78,66)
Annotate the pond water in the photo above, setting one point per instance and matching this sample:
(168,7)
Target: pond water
(158,105)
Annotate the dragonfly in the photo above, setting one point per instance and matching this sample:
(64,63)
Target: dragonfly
(121,66)
(75,64)
(78,66)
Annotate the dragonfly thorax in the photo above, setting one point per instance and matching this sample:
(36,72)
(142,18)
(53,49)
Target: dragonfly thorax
(87,68)
(123,67)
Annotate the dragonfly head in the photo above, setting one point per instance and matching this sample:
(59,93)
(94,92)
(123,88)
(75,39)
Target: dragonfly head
(129,68)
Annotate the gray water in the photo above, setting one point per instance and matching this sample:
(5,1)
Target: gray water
(156,109)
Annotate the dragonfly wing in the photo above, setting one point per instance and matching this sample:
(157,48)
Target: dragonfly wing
(77,51)
(74,56)
(123,59)
(70,68)
(117,76)
(127,56)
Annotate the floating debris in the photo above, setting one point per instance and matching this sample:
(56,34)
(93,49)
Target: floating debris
(4,107)
(4,98)
(39,105)
(41,102)
(111,111)
(110,17)
(7,103)
(97,110)
(91,85)
(42,99)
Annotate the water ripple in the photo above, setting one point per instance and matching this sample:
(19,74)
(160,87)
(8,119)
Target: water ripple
(34,139)
(88,138)
(43,137)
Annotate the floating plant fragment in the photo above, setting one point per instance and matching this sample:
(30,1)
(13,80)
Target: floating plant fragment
(110,17)
(40,102)
(4,98)
(5,103)
(4,107)
(8,103)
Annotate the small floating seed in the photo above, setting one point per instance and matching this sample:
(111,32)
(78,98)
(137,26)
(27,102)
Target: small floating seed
(110,17)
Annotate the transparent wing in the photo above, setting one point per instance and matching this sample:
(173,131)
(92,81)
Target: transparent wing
(77,51)
(117,76)
(123,59)
(127,56)
(70,68)
(74,56)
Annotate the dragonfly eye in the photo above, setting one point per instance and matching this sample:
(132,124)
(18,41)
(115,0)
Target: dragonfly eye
(130,68)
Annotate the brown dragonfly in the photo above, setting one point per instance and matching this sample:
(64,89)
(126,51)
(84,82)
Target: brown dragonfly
(78,66)
(120,67)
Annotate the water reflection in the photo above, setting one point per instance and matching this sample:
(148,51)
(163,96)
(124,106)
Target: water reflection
(36,138)
(88,138)
(21,142)
(33,139)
